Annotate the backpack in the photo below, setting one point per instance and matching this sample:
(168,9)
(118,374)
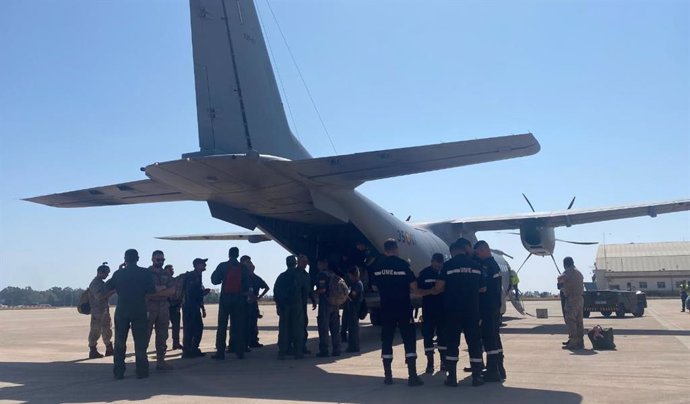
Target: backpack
(84,306)
(601,338)
(337,290)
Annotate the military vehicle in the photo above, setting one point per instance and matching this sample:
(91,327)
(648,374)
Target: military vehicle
(613,301)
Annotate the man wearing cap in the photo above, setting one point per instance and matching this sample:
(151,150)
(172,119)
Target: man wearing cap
(175,305)
(131,283)
(290,293)
(193,309)
(460,280)
(158,307)
(236,291)
(100,314)
(572,286)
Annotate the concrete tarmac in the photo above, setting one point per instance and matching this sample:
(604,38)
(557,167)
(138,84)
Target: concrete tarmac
(43,359)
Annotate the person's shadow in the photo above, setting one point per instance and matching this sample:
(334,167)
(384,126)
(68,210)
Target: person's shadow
(259,376)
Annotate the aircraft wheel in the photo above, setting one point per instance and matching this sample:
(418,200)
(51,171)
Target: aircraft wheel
(606,313)
(639,313)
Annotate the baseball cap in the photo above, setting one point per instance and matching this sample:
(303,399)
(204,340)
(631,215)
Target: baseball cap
(199,261)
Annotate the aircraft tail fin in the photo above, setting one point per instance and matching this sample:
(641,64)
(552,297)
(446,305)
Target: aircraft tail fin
(239,108)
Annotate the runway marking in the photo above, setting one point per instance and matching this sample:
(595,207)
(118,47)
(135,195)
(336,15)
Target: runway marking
(670,325)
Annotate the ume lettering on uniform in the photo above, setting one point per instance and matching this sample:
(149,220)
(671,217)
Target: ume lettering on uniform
(389,272)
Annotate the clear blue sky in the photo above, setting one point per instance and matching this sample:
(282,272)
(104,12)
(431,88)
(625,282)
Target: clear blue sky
(93,90)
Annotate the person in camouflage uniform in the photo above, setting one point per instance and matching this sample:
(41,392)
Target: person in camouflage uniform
(572,286)
(158,307)
(101,325)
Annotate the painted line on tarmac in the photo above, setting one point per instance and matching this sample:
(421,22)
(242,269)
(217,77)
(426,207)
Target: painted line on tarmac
(670,325)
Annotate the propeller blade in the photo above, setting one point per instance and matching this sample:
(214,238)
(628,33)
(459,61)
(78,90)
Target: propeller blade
(499,252)
(571,203)
(528,202)
(554,262)
(523,263)
(578,242)
(515,233)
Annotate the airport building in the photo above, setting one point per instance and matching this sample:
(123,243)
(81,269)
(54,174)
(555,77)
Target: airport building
(654,268)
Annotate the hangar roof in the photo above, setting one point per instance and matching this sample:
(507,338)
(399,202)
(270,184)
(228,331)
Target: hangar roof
(667,256)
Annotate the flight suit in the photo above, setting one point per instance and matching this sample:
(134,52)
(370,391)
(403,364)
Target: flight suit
(490,313)
(192,305)
(463,279)
(101,325)
(573,289)
(132,284)
(158,308)
(328,317)
(236,290)
(392,277)
(253,312)
(175,316)
(290,292)
(434,318)
(684,295)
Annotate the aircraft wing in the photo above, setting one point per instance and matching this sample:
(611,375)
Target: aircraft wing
(251,237)
(145,191)
(355,169)
(572,216)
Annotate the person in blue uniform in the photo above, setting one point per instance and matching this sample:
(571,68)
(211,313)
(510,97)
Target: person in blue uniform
(131,283)
(490,312)
(433,314)
(394,281)
(460,281)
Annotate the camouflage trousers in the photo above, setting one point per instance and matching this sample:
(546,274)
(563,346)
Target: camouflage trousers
(573,317)
(101,326)
(159,319)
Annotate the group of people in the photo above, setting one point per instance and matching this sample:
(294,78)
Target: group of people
(151,299)
(459,296)
(462,295)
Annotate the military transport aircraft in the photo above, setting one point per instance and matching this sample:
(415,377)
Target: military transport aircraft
(254,173)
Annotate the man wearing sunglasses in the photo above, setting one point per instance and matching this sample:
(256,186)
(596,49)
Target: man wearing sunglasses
(158,307)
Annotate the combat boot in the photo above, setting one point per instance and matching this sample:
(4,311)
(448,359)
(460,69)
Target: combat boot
(452,376)
(94,354)
(501,369)
(575,344)
(109,350)
(477,379)
(387,371)
(429,363)
(442,354)
(176,345)
(491,373)
(413,379)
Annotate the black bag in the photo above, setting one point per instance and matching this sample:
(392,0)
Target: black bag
(601,338)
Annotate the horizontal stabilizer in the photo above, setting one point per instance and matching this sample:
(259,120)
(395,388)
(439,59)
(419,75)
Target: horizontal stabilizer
(251,237)
(355,169)
(145,191)
(569,217)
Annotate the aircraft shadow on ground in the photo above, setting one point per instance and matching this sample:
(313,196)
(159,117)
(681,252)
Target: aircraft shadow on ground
(259,376)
